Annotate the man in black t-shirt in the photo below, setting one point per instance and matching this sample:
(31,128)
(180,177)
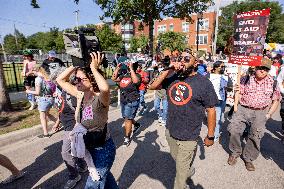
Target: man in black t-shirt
(52,63)
(129,82)
(189,95)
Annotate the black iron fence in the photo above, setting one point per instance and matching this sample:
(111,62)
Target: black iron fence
(14,80)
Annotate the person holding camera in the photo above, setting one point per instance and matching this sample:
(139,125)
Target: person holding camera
(129,81)
(189,95)
(93,99)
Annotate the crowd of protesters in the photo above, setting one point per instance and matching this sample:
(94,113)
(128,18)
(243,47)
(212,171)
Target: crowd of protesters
(187,87)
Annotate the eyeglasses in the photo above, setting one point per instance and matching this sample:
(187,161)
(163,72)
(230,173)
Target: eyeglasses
(262,68)
(80,80)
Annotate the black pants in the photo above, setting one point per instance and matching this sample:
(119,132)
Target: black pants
(282,116)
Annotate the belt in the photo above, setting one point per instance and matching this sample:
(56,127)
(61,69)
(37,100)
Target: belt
(254,108)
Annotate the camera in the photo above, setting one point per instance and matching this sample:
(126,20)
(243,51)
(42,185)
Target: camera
(81,44)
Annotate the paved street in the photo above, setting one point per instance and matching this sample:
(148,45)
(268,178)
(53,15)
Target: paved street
(147,164)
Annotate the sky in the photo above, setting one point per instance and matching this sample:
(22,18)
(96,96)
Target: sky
(52,13)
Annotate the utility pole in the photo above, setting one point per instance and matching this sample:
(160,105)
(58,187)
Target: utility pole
(216,26)
(16,39)
(4,52)
(77,19)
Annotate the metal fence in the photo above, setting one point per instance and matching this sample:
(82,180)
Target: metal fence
(14,80)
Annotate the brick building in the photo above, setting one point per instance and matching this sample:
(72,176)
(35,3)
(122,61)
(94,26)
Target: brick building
(206,30)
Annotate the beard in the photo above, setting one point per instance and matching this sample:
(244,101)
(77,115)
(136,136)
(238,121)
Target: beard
(185,73)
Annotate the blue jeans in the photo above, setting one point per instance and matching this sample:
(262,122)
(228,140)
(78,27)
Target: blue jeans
(220,108)
(103,159)
(142,99)
(162,113)
(129,110)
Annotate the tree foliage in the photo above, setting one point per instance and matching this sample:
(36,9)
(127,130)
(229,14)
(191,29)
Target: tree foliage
(275,31)
(139,42)
(172,41)
(10,44)
(147,11)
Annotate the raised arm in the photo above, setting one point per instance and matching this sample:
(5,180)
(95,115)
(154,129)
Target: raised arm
(100,80)
(115,77)
(62,80)
(133,75)
(159,80)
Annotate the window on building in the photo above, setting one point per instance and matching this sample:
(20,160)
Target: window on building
(162,29)
(203,39)
(185,27)
(203,24)
(171,27)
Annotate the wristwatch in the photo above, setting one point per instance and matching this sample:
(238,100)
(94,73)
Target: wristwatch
(210,138)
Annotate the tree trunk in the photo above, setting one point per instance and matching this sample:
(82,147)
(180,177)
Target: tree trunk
(5,103)
(151,36)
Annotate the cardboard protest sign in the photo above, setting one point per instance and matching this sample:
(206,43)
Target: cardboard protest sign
(249,37)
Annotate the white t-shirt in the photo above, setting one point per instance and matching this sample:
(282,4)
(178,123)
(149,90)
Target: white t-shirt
(220,82)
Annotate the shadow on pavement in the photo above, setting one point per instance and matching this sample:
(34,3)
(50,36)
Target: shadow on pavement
(271,147)
(44,164)
(147,159)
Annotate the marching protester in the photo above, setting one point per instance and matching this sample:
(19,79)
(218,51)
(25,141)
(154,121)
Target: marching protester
(93,98)
(160,95)
(66,105)
(221,85)
(44,89)
(142,88)
(52,63)
(29,77)
(258,100)
(16,173)
(189,95)
(129,81)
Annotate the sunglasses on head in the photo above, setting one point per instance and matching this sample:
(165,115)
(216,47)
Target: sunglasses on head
(180,59)
(262,68)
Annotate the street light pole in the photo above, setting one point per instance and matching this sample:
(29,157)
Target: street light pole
(77,18)
(216,26)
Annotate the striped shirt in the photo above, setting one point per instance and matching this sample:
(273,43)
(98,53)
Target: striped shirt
(258,94)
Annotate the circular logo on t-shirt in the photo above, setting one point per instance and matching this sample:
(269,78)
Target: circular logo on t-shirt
(180,93)
(125,82)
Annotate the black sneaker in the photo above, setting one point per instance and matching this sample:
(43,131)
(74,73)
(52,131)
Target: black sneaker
(126,141)
(137,126)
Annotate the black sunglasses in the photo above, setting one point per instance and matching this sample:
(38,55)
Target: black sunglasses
(79,80)
(180,58)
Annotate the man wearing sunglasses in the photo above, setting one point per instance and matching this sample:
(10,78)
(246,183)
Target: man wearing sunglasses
(189,95)
(259,99)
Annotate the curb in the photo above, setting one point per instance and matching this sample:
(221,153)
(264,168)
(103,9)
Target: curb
(22,134)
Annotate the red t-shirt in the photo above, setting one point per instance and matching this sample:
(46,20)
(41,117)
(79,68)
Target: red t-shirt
(144,80)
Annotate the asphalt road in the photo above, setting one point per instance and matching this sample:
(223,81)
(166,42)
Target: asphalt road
(147,164)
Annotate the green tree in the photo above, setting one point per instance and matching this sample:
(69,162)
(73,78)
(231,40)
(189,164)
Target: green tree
(11,45)
(147,11)
(110,41)
(275,31)
(139,42)
(172,41)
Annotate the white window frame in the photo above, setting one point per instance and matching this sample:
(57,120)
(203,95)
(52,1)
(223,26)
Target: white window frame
(185,27)
(201,35)
(161,29)
(171,26)
(203,27)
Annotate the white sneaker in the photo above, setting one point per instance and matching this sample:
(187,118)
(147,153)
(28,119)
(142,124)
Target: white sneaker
(160,119)
(126,142)
(163,123)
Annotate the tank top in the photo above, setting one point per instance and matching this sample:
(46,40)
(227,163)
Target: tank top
(29,65)
(94,116)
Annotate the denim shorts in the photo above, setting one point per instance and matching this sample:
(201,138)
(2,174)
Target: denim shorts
(44,103)
(129,110)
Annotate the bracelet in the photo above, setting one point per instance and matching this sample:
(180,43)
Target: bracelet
(210,138)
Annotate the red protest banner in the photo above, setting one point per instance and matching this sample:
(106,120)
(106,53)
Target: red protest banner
(249,37)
